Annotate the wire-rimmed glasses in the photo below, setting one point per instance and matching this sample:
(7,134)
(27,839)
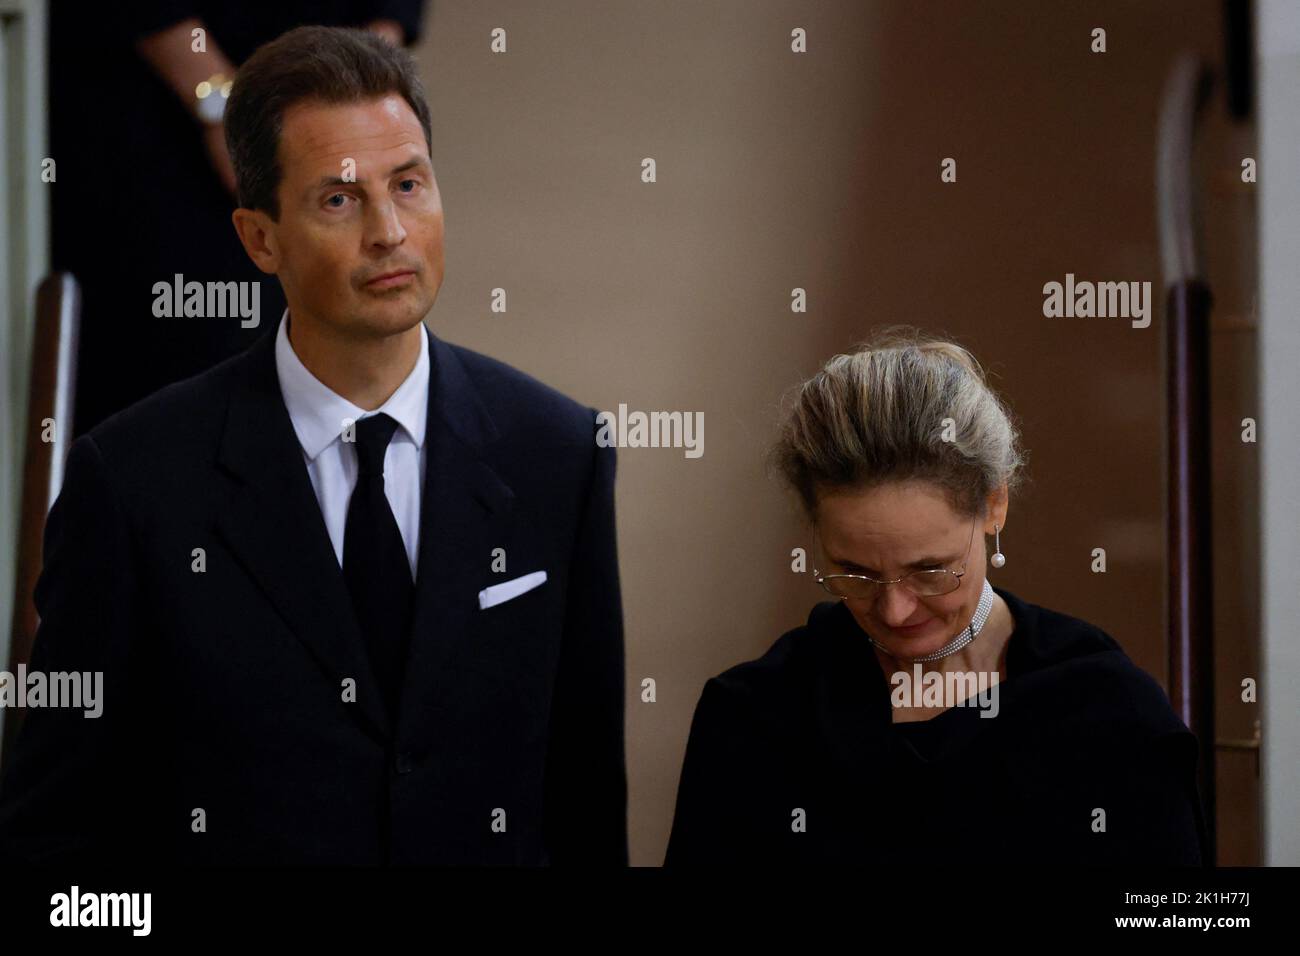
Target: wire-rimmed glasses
(924,582)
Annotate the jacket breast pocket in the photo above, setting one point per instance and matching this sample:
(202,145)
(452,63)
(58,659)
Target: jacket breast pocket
(516,640)
(496,594)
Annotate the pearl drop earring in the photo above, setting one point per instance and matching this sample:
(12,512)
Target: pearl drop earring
(998,558)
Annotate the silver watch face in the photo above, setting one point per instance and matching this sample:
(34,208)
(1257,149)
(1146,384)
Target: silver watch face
(212,107)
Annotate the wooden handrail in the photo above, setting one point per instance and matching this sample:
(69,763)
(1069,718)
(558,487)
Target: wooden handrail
(51,392)
(1187,374)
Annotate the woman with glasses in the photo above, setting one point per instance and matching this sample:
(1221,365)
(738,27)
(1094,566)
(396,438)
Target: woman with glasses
(923,715)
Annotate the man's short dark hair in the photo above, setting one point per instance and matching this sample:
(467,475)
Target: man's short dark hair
(328,64)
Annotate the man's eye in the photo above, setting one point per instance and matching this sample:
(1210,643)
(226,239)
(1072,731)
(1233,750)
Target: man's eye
(413,182)
(333,205)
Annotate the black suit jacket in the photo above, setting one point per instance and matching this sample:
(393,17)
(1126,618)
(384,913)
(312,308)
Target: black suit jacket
(224,694)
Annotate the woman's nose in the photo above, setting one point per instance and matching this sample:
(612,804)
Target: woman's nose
(895,604)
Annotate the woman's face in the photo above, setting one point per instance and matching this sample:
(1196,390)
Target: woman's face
(888,532)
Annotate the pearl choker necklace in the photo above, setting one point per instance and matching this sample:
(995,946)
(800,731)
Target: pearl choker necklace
(967,634)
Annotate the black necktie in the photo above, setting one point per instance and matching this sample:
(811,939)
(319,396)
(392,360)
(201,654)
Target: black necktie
(375,565)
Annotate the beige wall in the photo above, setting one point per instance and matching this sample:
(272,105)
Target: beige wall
(821,171)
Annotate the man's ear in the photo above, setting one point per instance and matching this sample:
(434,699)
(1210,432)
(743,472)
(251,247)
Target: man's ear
(257,232)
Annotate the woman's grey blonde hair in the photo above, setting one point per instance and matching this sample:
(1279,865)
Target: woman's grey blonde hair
(901,407)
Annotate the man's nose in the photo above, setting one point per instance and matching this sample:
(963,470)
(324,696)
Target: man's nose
(384,226)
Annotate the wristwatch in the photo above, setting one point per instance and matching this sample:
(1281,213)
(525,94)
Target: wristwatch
(210,98)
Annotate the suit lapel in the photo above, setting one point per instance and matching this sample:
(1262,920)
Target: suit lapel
(274,526)
(464,513)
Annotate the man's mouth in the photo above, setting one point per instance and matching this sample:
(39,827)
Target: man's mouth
(391,280)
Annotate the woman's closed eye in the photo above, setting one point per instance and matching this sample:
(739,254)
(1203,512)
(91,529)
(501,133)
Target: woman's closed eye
(854,569)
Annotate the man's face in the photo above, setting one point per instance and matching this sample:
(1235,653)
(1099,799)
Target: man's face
(358,202)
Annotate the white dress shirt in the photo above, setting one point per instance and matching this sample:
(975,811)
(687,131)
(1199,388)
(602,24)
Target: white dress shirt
(318,415)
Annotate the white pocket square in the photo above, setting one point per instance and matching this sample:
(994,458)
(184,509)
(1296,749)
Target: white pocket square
(500,593)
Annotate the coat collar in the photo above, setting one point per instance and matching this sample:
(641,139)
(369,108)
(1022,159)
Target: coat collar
(1051,657)
(851,695)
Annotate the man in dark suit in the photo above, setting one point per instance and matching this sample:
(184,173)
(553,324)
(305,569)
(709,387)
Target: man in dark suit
(354,593)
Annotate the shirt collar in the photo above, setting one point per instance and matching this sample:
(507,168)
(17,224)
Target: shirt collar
(317,412)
